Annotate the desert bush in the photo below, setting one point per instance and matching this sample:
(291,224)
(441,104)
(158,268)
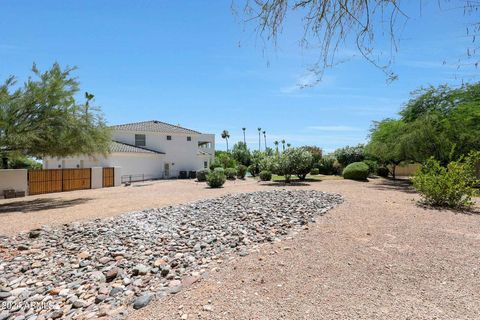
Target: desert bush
(314,171)
(268,164)
(349,154)
(216,179)
(252,169)
(219,169)
(231,173)
(372,166)
(337,167)
(451,186)
(356,171)
(202,175)
(265,175)
(383,172)
(325,165)
(241,171)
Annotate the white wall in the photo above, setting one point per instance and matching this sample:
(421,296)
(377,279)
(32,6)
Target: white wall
(179,153)
(13,179)
(97,178)
(149,165)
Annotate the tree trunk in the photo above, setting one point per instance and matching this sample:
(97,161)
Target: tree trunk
(5,163)
(227,144)
(394,167)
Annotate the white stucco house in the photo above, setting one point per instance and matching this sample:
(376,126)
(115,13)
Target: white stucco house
(148,150)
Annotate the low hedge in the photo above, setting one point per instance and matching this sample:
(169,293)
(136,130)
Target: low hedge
(216,179)
(356,171)
(202,175)
(265,176)
(231,173)
(314,171)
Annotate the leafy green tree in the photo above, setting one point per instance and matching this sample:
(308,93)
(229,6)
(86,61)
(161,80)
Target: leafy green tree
(387,143)
(241,153)
(315,151)
(294,161)
(443,122)
(348,154)
(42,117)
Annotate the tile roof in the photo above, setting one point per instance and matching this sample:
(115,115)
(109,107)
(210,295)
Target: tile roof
(116,146)
(154,126)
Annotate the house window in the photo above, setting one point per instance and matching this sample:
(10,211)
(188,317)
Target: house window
(189,138)
(205,164)
(140,140)
(169,137)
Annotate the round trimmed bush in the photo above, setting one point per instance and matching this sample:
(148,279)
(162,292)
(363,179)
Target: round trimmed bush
(241,171)
(231,173)
(216,179)
(265,176)
(202,175)
(219,169)
(382,172)
(314,171)
(356,171)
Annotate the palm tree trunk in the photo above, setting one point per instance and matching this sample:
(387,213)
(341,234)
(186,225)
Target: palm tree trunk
(259,141)
(226,139)
(244,140)
(265,137)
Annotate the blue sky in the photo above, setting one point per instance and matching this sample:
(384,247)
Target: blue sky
(193,63)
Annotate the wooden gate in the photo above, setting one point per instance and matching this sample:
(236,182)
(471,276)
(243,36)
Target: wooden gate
(58,180)
(108,177)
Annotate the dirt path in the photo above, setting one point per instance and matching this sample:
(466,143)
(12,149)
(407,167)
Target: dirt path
(24,214)
(377,256)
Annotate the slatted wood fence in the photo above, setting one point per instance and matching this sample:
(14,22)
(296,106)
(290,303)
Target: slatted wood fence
(58,180)
(108,177)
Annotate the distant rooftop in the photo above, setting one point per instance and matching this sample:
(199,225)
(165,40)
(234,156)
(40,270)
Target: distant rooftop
(154,126)
(116,146)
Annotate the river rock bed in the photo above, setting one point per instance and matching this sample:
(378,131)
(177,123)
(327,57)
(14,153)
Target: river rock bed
(102,268)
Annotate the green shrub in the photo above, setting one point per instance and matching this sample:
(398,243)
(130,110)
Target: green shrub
(325,165)
(356,171)
(219,169)
(372,166)
(231,173)
(265,176)
(241,171)
(202,175)
(216,179)
(337,167)
(314,171)
(252,169)
(383,172)
(451,186)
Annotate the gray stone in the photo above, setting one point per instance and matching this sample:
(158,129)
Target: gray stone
(142,301)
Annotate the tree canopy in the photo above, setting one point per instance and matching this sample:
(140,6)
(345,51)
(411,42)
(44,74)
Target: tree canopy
(442,122)
(43,118)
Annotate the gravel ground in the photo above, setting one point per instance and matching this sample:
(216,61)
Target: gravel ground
(101,267)
(23,214)
(377,256)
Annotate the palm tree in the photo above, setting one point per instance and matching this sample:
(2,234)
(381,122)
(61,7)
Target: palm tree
(283,144)
(226,135)
(265,139)
(276,145)
(259,139)
(244,141)
(288,145)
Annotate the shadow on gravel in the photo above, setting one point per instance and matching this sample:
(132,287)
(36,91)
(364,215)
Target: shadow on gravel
(284,184)
(468,211)
(399,184)
(40,204)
